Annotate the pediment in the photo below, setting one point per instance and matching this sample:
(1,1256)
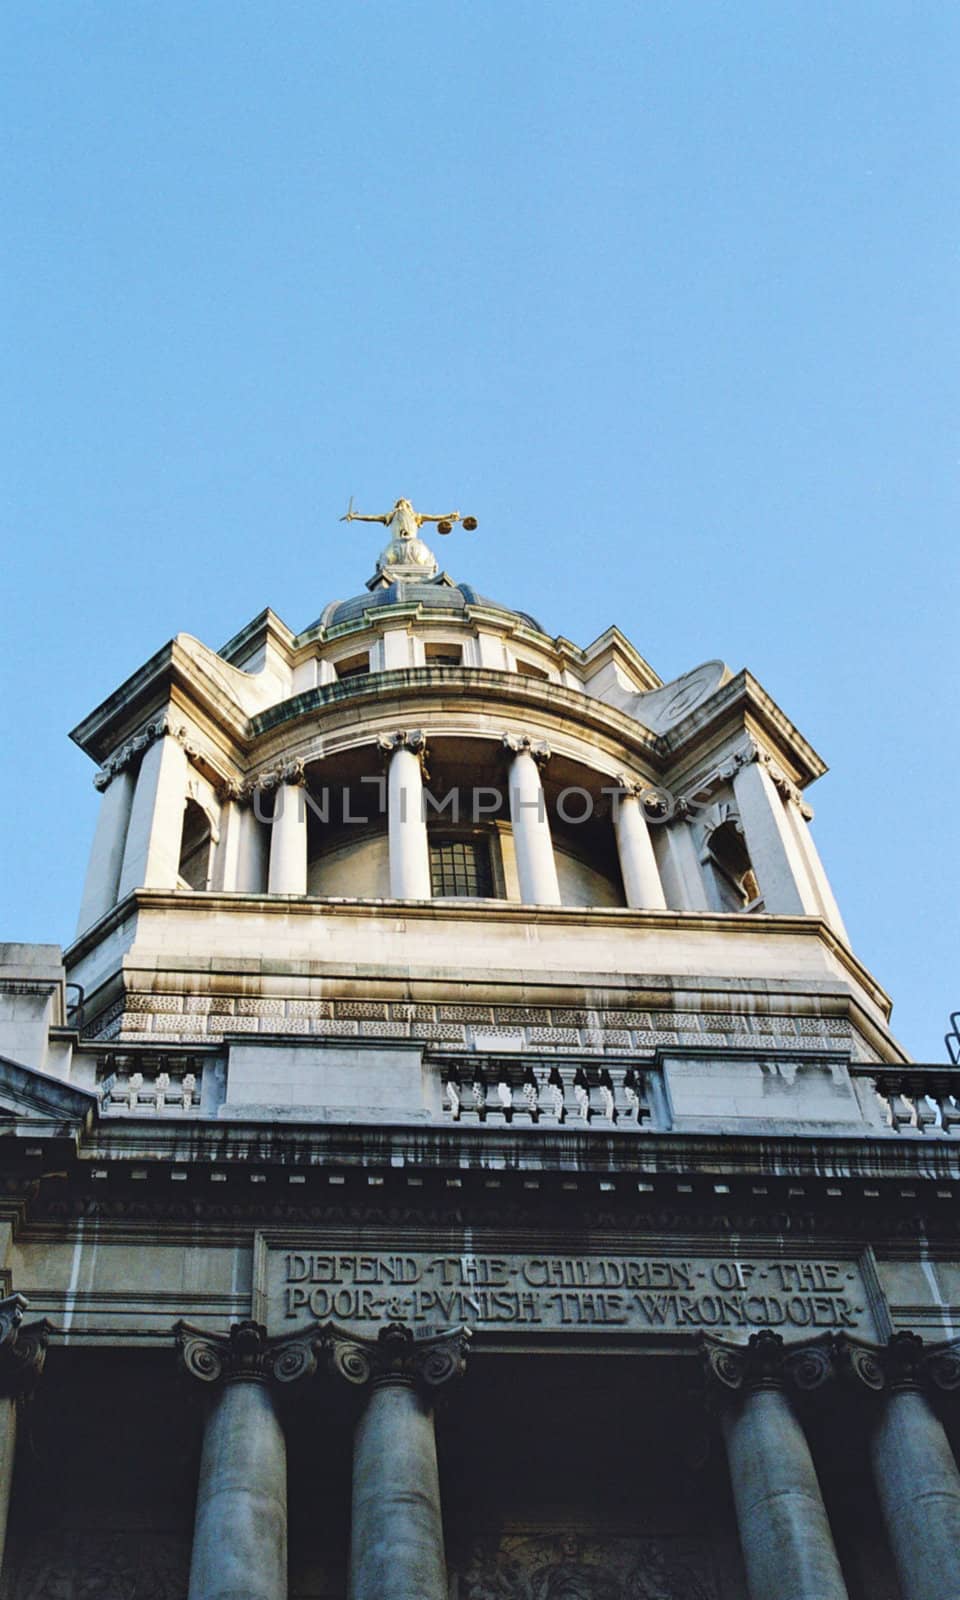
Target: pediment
(35,1102)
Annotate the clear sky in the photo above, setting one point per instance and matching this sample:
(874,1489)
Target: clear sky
(666,294)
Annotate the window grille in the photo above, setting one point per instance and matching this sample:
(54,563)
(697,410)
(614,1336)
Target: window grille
(461,867)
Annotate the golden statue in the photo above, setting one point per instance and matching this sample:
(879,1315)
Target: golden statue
(405,523)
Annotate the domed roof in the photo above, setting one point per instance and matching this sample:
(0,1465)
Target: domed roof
(433,594)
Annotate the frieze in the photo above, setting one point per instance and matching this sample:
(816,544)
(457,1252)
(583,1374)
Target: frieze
(470,1028)
(555,1292)
(569,1565)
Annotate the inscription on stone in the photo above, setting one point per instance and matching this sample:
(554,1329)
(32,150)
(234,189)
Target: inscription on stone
(669,1293)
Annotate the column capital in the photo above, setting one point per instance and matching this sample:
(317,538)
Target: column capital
(246,1354)
(750,751)
(23,1347)
(412,739)
(397,1356)
(518,744)
(291,772)
(905,1362)
(121,759)
(765,1362)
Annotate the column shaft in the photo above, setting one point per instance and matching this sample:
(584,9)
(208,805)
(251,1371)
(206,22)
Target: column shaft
(536,865)
(396,1547)
(787,1545)
(240,862)
(240,1534)
(106,856)
(919,1490)
(638,864)
(407,828)
(774,852)
(8,1450)
(288,842)
(816,875)
(681,873)
(151,856)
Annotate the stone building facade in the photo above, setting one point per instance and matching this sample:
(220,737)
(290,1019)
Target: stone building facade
(461,1153)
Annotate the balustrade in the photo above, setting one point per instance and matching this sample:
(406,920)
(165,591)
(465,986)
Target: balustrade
(509,1090)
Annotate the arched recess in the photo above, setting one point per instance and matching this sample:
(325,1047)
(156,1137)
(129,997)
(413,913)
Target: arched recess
(196,847)
(731,880)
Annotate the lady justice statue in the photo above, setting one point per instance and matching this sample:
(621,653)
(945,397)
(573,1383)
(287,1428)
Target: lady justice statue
(406,553)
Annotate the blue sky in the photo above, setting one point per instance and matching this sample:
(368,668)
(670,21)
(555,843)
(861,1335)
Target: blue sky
(665,294)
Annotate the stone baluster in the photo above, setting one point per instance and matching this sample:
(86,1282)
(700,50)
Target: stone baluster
(788,1549)
(536,864)
(240,1529)
(406,821)
(151,853)
(287,872)
(396,1543)
(638,864)
(914,1469)
(23,1348)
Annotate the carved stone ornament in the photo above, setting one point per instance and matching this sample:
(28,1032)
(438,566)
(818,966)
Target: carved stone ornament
(766,1362)
(246,1354)
(397,1356)
(122,758)
(23,1347)
(904,1362)
(413,739)
(518,743)
(291,772)
(744,756)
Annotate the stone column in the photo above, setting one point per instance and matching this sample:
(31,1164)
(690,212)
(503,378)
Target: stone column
(914,1469)
(151,855)
(638,864)
(682,874)
(23,1349)
(396,1540)
(536,865)
(771,842)
(799,816)
(287,873)
(106,856)
(240,860)
(240,1529)
(788,1549)
(406,821)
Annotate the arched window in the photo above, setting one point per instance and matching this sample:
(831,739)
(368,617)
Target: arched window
(195,842)
(729,862)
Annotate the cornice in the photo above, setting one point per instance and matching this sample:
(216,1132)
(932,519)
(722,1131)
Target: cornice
(729,924)
(172,674)
(732,703)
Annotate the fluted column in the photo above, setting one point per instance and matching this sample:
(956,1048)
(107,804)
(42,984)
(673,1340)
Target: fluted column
(406,821)
(788,1549)
(23,1349)
(287,873)
(638,864)
(914,1468)
(396,1539)
(240,1529)
(536,864)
